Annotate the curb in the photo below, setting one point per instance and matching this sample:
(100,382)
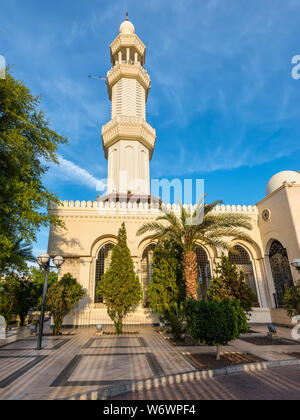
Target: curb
(125,387)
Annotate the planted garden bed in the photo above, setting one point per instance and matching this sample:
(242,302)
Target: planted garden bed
(269,341)
(294,354)
(206,361)
(185,342)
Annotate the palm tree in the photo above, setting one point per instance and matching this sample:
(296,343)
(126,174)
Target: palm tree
(23,250)
(189,231)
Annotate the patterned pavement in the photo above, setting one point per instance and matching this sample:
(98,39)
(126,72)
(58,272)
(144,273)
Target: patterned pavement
(73,365)
(70,365)
(275,384)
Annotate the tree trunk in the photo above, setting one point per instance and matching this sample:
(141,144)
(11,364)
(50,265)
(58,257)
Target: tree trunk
(57,325)
(218,352)
(119,326)
(22,319)
(190,274)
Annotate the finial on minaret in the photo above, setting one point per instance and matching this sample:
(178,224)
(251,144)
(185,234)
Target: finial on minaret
(127,16)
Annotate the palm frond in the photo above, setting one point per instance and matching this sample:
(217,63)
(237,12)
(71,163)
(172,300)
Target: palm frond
(23,250)
(209,207)
(150,227)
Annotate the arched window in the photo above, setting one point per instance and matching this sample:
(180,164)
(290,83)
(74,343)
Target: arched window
(244,263)
(147,269)
(102,265)
(281,271)
(204,272)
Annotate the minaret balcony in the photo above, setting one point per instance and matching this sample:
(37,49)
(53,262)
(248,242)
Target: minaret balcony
(128,128)
(128,41)
(132,71)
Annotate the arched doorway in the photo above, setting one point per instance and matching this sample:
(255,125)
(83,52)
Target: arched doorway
(243,262)
(281,271)
(147,271)
(204,272)
(102,265)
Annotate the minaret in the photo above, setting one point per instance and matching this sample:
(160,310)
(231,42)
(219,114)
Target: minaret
(128,140)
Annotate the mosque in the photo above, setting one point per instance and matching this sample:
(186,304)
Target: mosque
(92,227)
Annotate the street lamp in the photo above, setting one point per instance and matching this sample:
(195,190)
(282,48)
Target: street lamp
(296,264)
(44,262)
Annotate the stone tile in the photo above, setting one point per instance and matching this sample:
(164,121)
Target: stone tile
(112,368)
(31,343)
(115,342)
(13,367)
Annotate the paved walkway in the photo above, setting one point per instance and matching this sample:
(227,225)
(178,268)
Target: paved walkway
(281,383)
(77,364)
(70,365)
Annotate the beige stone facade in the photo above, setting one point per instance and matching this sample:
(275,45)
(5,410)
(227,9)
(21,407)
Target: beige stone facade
(128,141)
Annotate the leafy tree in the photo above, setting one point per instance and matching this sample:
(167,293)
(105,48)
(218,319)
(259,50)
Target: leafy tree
(120,286)
(21,253)
(216,322)
(19,294)
(8,298)
(166,287)
(25,297)
(62,296)
(27,144)
(229,282)
(188,231)
(37,278)
(291,300)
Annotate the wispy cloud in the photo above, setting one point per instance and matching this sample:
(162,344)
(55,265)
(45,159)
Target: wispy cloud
(220,73)
(69,173)
(72,108)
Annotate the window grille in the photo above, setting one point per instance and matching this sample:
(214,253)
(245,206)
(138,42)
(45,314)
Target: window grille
(281,271)
(147,270)
(204,272)
(244,263)
(102,265)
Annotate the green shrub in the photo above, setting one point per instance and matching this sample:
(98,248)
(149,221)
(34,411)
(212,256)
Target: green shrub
(17,296)
(175,316)
(230,283)
(62,296)
(167,285)
(216,322)
(291,300)
(8,298)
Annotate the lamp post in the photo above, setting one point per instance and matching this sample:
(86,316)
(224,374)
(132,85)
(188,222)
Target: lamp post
(296,264)
(44,262)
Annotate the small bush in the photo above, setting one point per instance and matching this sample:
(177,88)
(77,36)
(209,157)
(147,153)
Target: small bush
(175,316)
(62,296)
(291,300)
(230,283)
(216,322)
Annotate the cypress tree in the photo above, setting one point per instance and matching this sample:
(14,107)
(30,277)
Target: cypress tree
(120,286)
(167,284)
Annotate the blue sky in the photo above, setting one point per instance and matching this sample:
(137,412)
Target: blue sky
(223,101)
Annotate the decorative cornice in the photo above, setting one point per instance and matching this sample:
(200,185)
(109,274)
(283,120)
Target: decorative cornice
(146,208)
(131,71)
(128,40)
(128,128)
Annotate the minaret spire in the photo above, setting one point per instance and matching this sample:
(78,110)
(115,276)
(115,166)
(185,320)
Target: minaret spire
(128,140)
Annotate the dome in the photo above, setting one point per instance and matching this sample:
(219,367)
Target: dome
(127,28)
(280,178)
